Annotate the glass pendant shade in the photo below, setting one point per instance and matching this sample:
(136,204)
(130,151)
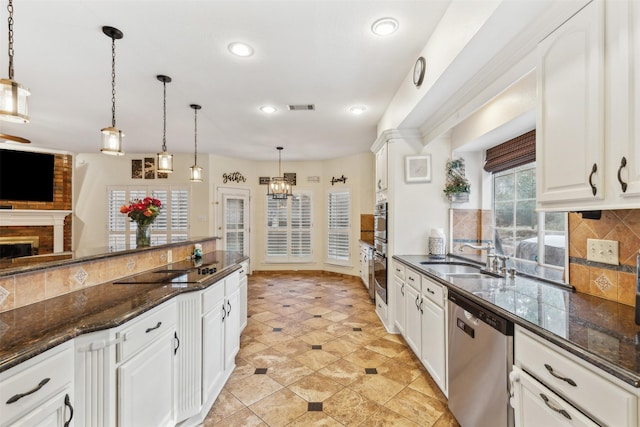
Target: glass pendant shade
(112,141)
(165,162)
(195,173)
(13,102)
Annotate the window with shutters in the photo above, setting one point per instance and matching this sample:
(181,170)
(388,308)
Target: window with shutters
(172,225)
(338,226)
(289,226)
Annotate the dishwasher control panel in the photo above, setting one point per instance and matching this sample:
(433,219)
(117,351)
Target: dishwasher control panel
(496,322)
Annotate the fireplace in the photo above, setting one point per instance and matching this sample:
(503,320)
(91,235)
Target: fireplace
(18,246)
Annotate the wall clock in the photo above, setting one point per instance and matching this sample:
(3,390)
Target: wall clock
(418,71)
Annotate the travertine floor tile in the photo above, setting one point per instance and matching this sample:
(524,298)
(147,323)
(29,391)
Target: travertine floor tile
(326,385)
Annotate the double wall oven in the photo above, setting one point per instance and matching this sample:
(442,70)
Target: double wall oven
(380,253)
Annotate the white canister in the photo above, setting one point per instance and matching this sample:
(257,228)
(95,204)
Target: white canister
(437,245)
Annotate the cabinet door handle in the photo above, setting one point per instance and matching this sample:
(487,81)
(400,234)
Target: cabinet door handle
(568,380)
(67,403)
(402,289)
(153,328)
(175,350)
(224,312)
(420,307)
(594,169)
(379,184)
(417,299)
(19,396)
(623,164)
(229,311)
(554,408)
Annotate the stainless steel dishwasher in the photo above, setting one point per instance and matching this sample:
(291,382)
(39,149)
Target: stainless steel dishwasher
(480,358)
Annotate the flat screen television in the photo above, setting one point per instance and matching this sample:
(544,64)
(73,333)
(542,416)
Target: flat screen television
(26,176)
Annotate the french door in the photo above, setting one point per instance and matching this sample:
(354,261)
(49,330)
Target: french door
(234,224)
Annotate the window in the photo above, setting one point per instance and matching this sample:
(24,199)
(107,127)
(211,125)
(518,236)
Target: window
(338,226)
(172,225)
(289,227)
(518,228)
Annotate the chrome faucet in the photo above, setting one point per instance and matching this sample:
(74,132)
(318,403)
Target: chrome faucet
(492,258)
(488,247)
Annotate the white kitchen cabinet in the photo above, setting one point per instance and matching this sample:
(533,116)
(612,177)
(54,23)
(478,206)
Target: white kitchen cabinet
(573,382)
(365,260)
(39,392)
(188,358)
(231,321)
(433,352)
(381,168)
(146,373)
(412,329)
(570,115)
(244,282)
(536,405)
(212,353)
(399,296)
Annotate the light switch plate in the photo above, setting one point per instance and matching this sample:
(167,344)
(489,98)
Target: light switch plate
(605,251)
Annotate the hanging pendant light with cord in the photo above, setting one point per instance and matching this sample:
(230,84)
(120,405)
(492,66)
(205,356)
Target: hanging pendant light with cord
(279,187)
(13,96)
(112,136)
(195,170)
(165,159)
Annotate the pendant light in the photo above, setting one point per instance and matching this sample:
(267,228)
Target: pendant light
(195,170)
(13,96)
(165,160)
(279,187)
(112,136)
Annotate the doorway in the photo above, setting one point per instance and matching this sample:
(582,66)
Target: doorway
(234,214)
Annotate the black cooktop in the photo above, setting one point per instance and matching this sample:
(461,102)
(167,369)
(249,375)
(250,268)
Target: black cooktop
(182,272)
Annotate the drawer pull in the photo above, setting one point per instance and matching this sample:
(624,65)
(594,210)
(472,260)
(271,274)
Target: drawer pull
(430,291)
(67,403)
(19,396)
(153,328)
(555,408)
(568,380)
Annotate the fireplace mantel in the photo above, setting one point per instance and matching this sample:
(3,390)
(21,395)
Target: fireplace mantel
(28,217)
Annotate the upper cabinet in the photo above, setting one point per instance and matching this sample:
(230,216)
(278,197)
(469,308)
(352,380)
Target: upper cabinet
(588,131)
(381,168)
(570,116)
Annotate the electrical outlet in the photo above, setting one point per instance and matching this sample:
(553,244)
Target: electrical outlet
(169,257)
(605,251)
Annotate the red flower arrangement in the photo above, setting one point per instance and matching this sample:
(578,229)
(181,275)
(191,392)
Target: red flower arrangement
(144,211)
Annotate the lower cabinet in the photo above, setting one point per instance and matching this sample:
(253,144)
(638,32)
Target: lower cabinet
(39,392)
(399,299)
(552,387)
(243,294)
(425,327)
(145,385)
(166,367)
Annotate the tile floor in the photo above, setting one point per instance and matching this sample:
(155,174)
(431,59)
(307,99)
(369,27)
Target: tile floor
(314,353)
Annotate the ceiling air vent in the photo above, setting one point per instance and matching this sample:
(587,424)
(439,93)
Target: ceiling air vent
(301,107)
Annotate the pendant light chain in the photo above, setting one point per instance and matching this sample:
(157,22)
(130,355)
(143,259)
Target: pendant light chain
(164,119)
(10,10)
(113,82)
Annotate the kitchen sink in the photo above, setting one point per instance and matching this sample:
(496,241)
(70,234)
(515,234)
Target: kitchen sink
(468,275)
(452,268)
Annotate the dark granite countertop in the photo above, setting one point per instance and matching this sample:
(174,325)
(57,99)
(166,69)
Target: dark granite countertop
(30,330)
(597,330)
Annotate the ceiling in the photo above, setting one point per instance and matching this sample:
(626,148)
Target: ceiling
(319,52)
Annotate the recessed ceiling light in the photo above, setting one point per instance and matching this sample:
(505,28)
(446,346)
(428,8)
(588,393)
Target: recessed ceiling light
(384,26)
(240,49)
(357,110)
(269,109)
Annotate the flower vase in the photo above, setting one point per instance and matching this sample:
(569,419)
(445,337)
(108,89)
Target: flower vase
(143,235)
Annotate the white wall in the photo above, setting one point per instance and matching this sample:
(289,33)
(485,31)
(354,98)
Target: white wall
(94,172)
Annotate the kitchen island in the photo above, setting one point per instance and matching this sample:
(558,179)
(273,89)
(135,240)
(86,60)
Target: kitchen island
(153,346)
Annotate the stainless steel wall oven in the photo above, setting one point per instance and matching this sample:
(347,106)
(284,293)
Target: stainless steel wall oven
(380,253)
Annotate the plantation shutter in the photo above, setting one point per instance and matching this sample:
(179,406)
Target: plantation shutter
(179,209)
(117,221)
(301,225)
(277,221)
(338,217)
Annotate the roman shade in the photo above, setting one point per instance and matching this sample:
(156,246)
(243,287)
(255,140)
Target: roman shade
(515,152)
